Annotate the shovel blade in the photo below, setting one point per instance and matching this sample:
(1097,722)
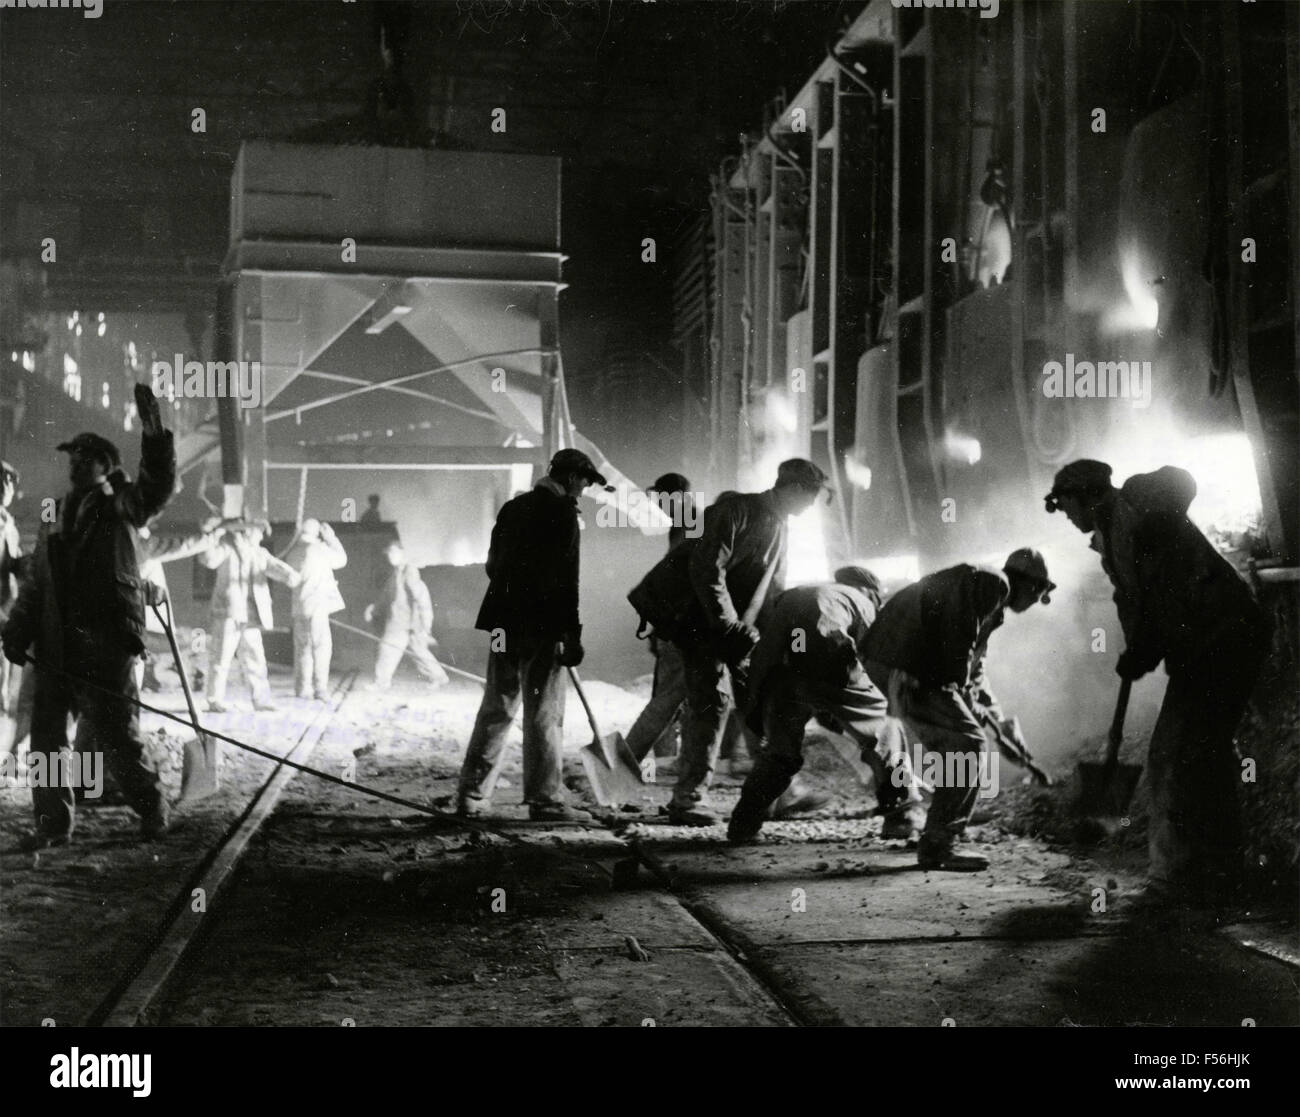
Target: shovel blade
(1107,793)
(199,769)
(613,784)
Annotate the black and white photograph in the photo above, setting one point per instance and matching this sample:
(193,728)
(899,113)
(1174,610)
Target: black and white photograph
(650,513)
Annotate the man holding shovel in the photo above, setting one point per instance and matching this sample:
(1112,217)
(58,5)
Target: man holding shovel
(82,610)
(1179,601)
(708,601)
(531,611)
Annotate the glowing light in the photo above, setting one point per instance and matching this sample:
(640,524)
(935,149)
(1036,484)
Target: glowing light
(892,570)
(29,360)
(857,473)
(806,554)
(961,448)
(1142,309)
(69,365)
(780,412)
(103,327)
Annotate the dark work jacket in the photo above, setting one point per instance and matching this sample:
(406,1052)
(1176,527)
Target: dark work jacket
(85,592)
(937,629)
(532,565)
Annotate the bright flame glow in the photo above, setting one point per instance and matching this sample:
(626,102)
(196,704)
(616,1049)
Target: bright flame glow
(806,556)
(892,570)
(857,473)
(1142,310)
(961,448)
(780,412)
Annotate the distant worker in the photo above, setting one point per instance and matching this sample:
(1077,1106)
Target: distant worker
(82,611)
(531,611)
(698,598)
(315,554)
(808,664)
(10,552)
(1182,602)
(371,517)
(403,617)
(926,651)
(657,726)
(241,609)
(156,549)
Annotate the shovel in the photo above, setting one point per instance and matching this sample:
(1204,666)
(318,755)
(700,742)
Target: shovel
(1107,787)
(199,777)
(612,770)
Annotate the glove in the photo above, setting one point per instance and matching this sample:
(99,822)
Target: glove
(569,652)
(736,643)
(14,652)
(1130,667)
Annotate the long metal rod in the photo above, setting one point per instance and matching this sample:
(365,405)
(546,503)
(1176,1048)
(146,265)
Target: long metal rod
(407,377)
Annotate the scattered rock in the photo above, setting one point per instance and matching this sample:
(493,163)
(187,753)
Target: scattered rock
(635,950)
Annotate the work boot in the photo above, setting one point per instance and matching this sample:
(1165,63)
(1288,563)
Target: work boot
(903,824)
(472,808)
(744,826)
(692,816)
(941,856)
(154,823)
(265,706)
(798,798)
(557,812)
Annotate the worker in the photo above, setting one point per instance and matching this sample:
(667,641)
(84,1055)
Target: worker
(371,516)
(315,554)
(403,617)
(10,552)
(82,610)
(243,566)
(695,598)
(531,611)
(658,724)
(807,664)
(155,549)
(926,652)
(1182,602)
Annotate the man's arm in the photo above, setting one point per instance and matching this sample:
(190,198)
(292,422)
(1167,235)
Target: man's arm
(1139,611)
(171,548)
(138,501)
(280,570)
(338,557)
(25,617)
(218,553)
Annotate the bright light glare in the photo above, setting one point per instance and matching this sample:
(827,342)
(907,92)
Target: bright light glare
(806,562)
(857,473)
(1142,310)
(892,570)
(781,414)
(962,448)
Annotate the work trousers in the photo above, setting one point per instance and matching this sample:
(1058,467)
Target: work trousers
(1193,778)
(246,640)
(313,647)
(860,711)
(942,720)
(655,724)
(108,721)
(397,641)
(526,671)
(710,698)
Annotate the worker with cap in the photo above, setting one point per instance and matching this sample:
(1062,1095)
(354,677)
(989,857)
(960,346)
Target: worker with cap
(926,652)
(82,611)
(1182,602)
(11,551)
(658,723)
(403,617)
(740,552)
(241,609)
(315,554)
(808,664)
(531,612)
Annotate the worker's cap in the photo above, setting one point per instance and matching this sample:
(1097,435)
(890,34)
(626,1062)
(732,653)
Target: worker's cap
(802,473)
(1028,563)
(575,463)
(670,483)
(310,526)
(1082,478)
(861,578)
(91,445)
